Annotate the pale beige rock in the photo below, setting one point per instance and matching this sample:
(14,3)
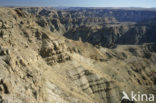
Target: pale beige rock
(38,66)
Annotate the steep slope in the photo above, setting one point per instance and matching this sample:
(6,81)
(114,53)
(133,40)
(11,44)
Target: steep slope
(39,66)
(98,26)
(110,35)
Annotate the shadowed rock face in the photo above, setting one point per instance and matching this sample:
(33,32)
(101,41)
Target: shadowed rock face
(109,36)
(121,15)
(104,27)
(40,65)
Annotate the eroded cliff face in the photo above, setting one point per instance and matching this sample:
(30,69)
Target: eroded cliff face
(110,35)
(102,27)
(39,66)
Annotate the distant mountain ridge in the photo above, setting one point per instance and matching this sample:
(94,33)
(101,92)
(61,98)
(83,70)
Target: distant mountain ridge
(100,26)
(57,56)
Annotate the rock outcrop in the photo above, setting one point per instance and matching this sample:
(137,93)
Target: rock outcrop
(39,65)
(99,26)
(53,52)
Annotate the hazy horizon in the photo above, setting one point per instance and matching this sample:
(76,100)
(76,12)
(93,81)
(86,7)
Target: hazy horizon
(80,3)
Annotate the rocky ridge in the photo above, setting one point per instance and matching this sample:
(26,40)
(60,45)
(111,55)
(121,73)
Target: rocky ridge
(103,27)
(39,66)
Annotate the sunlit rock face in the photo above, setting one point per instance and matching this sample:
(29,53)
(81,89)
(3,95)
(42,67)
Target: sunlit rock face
(75,56)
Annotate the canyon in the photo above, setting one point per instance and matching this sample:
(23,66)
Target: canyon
(76,55)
